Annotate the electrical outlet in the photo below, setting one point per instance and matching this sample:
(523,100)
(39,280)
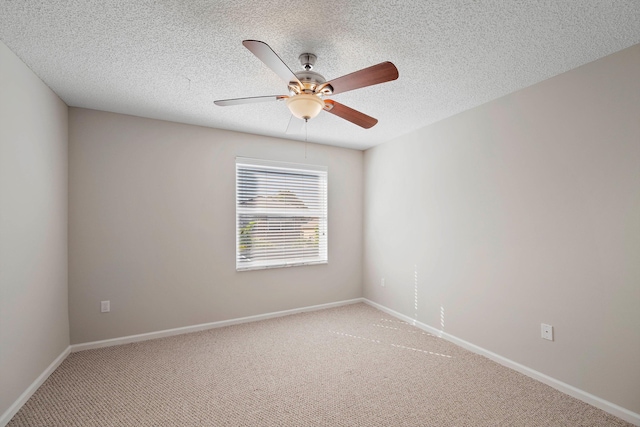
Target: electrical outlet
(382,282)
(547,331)
(105,306)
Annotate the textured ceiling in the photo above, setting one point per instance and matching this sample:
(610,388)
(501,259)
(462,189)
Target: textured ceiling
(171,59)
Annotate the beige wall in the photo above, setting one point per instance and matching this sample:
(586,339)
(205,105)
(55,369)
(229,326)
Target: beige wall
(152,227)
(34,324)
(521,211)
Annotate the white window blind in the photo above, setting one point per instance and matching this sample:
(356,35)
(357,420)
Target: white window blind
(281,214)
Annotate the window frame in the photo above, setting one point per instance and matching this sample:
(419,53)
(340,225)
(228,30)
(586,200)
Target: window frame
(264,167)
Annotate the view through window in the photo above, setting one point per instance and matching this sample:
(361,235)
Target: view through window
(281,214)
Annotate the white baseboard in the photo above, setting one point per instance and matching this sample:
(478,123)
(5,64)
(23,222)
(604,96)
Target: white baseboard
(609,407)
(13,409)
(589,398)
(205,326)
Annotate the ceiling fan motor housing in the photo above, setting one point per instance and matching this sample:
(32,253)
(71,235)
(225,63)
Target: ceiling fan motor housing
(312,82)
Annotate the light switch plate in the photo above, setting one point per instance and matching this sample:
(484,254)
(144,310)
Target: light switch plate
(105,306)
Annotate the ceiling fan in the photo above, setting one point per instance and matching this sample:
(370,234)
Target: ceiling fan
(308,89)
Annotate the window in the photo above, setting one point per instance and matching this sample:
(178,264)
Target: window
(281,214)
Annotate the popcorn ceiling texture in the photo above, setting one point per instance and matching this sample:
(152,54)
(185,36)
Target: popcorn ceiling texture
(170,59)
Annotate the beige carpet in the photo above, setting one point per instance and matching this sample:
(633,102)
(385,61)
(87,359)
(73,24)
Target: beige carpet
(348,366)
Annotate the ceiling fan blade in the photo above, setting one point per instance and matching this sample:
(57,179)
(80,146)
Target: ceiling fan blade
(295,126)
(250,100)
(349,114)
(271,60)
(376,74)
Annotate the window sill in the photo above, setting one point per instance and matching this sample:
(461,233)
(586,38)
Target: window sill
(265,267)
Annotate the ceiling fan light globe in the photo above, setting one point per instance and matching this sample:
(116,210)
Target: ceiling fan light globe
(305,106)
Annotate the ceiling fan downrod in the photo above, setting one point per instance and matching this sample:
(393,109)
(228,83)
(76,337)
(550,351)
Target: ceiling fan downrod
(307,60)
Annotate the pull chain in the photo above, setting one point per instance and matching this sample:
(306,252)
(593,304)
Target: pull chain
(306,130)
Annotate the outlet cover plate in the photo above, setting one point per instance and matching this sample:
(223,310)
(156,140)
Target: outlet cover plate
(547,331)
